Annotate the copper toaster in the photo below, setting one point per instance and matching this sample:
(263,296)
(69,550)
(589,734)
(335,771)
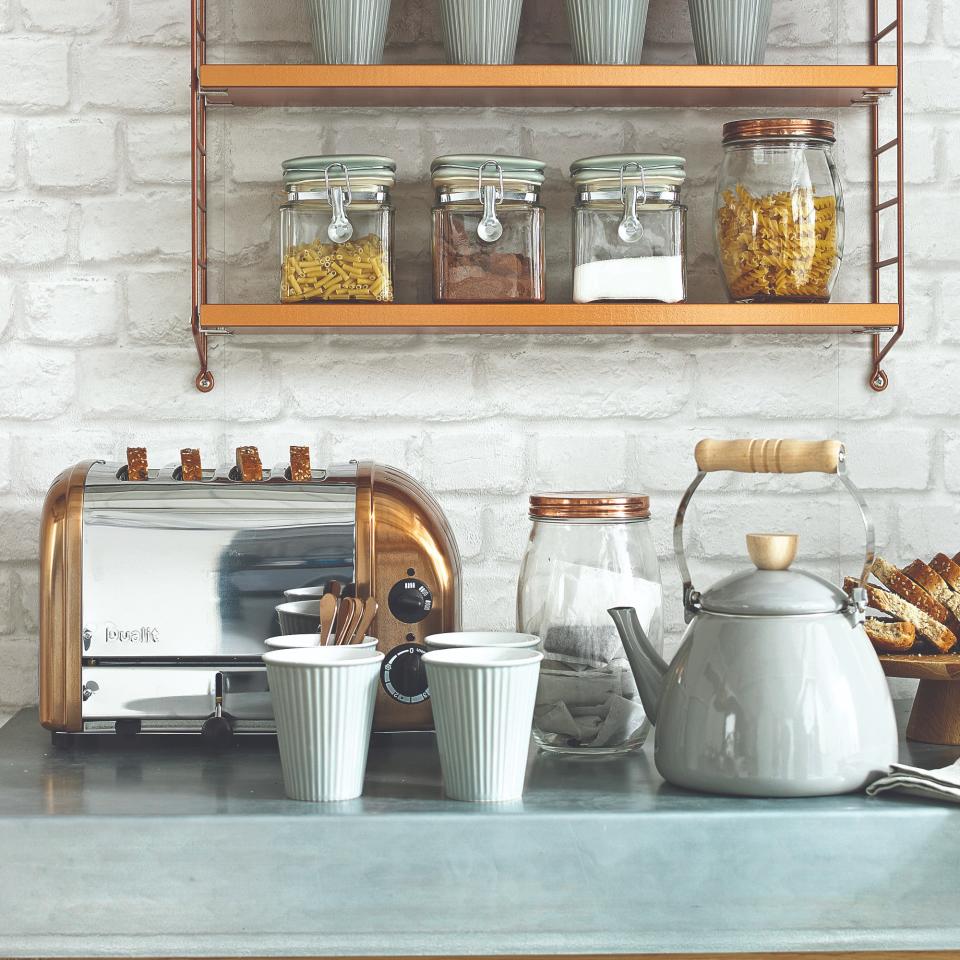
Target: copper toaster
(156,595)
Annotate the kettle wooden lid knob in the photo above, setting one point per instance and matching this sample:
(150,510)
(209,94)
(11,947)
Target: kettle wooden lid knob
(772,551)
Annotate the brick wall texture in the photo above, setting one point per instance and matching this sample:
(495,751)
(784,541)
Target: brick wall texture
(95,351)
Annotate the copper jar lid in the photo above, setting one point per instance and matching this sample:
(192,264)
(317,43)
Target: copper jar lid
(778,127)
(589,506)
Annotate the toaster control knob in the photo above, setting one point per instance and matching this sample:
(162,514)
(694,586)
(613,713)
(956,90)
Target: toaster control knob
(410,600)
(403,674)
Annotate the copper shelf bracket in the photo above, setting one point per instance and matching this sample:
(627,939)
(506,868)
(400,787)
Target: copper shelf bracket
(879,379)
(198,180)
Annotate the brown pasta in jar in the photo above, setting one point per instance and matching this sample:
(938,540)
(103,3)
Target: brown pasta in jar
(779,211)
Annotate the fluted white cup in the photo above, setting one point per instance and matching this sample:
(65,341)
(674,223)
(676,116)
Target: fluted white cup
(730,31)
(323,701)
(483,710)
(481,638)
(607,31)
(348,31)
(480,31)
(300,641)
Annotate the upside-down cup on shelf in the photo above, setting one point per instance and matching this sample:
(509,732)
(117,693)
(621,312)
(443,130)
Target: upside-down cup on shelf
(730,31)
(607,31)
(483,702)
(480,31)
(348,31)
(323,701)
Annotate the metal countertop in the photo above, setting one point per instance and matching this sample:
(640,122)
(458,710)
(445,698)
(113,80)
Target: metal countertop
(158,847)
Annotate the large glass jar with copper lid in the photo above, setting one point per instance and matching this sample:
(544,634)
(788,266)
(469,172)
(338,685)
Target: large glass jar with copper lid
(588,552)
(779,211)
(487,230)
(336,230)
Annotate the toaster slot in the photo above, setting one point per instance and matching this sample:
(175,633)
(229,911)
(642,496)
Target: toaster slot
(178,693)
(284,470)
(235,475)
(206,474)
(123,474)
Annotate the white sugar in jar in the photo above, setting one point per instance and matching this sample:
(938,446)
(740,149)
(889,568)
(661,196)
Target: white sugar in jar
(629,229)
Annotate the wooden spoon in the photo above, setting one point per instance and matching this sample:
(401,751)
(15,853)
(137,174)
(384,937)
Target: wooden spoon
(344,619)
(354,621)
(370,609)
(328,613)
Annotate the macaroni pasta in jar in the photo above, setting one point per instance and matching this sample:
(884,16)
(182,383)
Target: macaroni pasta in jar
(336,230)
(779,211)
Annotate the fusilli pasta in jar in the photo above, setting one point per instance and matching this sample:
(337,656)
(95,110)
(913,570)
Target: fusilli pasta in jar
(779,211)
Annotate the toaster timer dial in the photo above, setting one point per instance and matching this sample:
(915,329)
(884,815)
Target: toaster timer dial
(403,674)
(410,600)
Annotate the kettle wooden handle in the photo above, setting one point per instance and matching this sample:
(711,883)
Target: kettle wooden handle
(769,456)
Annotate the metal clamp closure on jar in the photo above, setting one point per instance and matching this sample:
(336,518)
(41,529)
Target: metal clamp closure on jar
(631,229)
(490,229)
(340,229)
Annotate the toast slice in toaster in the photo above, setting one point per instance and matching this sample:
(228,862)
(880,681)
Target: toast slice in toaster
(300,471)
(248,464)
(137,463)
(190,466)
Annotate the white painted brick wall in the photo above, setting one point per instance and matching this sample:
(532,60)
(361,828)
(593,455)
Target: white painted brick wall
(94,295)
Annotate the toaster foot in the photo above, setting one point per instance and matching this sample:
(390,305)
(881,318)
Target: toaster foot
(218,730)
(127,728)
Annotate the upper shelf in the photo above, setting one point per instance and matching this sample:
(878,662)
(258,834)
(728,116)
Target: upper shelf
(548,318)
(563,85)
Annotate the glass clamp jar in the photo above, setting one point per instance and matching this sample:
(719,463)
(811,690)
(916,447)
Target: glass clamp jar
(779,220)
(629,229)
(336,230)
(588,552)
(487,230)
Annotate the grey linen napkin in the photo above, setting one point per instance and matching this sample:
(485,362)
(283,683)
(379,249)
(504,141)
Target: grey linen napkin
(942,784)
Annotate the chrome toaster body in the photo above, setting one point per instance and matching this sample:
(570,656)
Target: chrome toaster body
(157,595)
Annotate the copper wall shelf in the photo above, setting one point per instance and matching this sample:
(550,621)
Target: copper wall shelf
(556,85)
(548,318)
(539,85)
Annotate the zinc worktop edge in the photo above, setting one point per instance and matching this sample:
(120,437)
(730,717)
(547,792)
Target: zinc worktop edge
(153,848)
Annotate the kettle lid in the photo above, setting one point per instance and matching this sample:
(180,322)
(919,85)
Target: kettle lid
(773,590)
(774,593)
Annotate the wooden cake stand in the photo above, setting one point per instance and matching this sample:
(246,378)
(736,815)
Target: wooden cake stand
(935,717)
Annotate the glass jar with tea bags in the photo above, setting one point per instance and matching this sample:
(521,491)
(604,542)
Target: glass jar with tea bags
(588,552)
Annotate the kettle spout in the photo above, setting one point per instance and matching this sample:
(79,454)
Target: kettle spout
(648,667)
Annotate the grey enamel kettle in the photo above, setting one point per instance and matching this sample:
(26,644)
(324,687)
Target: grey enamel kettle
(775,690)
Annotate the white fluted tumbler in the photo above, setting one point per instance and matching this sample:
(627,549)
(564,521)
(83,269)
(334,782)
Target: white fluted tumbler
(323,701)
(483,710)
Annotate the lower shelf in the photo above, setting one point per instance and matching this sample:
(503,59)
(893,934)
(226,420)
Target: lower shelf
(255,318)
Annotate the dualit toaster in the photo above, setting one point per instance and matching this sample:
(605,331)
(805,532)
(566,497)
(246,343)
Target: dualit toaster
(156,594)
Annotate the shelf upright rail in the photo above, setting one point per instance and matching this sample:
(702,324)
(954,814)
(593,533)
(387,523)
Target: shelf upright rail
(198,180)
(879,380)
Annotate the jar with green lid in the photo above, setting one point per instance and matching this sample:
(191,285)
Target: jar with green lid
(487,230)
(336,230)
(629,228)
